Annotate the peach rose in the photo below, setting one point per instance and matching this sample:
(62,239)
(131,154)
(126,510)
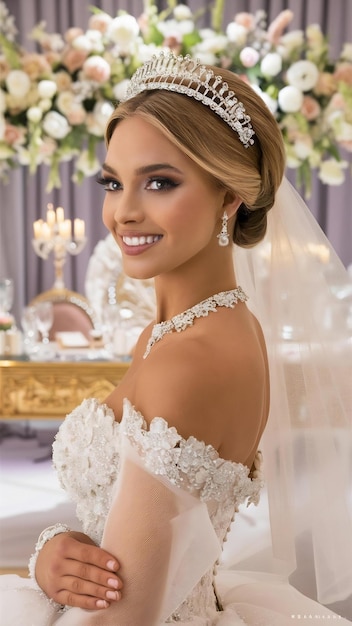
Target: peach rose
(76,115)
(97,69)
(310,108)
(74,59)
(63,81)
(325,85)
(244,19)
(14,135)
(35,65)
(338,102)
(343,73)
(99,22)
(53,58)
(72,33)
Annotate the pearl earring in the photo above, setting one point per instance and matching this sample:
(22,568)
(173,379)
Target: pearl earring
(223,236)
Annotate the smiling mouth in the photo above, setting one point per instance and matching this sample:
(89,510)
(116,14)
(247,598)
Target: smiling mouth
(141,241)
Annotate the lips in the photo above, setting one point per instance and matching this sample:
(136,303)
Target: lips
(142,240)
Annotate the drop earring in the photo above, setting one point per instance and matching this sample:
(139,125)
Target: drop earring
(223,236)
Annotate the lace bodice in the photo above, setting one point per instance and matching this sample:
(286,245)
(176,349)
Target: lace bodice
(86,457)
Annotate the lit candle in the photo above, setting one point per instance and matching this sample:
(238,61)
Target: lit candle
(65,229)
(60,216)
(50,216)
(46,231)
(78,229)
(37,229)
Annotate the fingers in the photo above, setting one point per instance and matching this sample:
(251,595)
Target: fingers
(87,552)
(80,593)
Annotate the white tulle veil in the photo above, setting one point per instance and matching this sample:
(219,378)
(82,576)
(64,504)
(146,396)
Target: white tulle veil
(302,295)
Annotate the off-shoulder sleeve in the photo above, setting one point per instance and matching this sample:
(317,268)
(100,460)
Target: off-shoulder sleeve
(164,540)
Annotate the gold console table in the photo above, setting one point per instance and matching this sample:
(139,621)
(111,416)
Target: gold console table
(32,390)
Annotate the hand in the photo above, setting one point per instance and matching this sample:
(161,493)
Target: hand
(73,571)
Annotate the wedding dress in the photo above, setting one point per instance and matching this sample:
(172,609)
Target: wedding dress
(169,504)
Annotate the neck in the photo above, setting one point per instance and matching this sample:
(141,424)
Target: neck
(179,290)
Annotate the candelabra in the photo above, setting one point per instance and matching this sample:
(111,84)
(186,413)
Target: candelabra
(56,235)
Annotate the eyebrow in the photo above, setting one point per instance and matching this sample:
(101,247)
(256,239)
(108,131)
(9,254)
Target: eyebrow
(145,169)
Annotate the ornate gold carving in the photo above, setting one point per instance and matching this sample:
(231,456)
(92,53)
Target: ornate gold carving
(51,390)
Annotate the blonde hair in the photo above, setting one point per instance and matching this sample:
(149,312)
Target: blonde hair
(253,174)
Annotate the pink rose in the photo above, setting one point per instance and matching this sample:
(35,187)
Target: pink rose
(249,56)
(76,115)
(244,19)
(97,69)
(74,59)
(172,43)
(310,108)
(14,135)
(72,33)
(338,102)
(99,22)
(343,73)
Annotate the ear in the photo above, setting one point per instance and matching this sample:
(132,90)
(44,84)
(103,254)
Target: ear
(231,203)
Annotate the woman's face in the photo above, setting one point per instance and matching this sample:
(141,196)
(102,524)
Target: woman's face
(160,206)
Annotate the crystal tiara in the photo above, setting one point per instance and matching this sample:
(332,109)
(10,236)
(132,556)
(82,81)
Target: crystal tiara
(198,82)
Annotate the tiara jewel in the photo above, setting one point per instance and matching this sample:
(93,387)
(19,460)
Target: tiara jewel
(187,76)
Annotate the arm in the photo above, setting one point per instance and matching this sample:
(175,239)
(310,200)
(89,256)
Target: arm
(155,529)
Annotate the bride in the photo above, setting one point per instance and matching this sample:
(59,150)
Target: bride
(159,470)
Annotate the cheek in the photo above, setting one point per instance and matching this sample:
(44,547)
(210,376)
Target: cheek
(107,214)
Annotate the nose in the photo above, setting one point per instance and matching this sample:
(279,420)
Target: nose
(122,207)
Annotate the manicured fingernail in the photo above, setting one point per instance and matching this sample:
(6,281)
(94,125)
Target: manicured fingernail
(111,565)
(112,582)
(102,604)
(113,595)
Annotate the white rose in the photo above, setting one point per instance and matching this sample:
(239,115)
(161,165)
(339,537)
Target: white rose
(102,112)
(249,56)
(236,33)
(34,114)
(82,43)
(96,40)
(146,51)
(120,90)
(271,64)
(123,30)
(56,125)
(65,101)
(270,102)
(173,28)
(346,53)
(205,58)
(290,41)
(290,99)
(303,75)
(331,172)
(18,83)
(47,88)
(182,12)
(86,165)
(2,101)
(45,104)
(303,147)
(212,44)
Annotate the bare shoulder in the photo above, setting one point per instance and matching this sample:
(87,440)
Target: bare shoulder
(210,382)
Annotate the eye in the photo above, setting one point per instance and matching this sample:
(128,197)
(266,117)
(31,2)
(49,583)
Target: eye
(160,184)
(109,184)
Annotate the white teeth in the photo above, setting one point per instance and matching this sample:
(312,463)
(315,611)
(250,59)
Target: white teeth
(140,241)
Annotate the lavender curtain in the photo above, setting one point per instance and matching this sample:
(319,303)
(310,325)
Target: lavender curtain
(24,199)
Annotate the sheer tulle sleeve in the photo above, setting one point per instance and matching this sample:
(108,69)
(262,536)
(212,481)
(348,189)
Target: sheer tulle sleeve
(164,540)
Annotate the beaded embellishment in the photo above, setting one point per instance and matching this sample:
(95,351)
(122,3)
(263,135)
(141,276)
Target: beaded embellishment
(181,321)
(187,76)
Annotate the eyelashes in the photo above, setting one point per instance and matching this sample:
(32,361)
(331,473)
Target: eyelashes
(154,183)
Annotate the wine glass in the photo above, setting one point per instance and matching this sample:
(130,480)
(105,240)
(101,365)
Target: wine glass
(44,316)
(6,294)
(29,327)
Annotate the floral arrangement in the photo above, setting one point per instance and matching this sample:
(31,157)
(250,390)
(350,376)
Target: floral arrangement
(54,103)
